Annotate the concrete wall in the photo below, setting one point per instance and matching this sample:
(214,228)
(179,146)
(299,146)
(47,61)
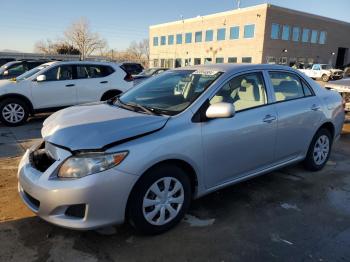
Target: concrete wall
(338,35)
(228,48)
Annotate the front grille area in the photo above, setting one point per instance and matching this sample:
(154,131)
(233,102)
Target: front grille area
(76,211)
(40,159)
(33,201)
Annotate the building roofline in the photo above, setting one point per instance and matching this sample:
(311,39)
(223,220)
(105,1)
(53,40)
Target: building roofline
(246,9)
(200,17)
(325,18)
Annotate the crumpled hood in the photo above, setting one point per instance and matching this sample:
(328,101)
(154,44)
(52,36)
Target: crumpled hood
(335,70)
(95,126)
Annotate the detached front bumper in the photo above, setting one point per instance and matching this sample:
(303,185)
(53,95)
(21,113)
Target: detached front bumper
(86,203)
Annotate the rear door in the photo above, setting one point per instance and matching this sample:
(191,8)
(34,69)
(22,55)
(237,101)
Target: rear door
(92,82)
(298,112)
(59,89)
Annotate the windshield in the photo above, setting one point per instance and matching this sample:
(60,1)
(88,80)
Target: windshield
(148,72)
(169,93)
(326,67)
(31,72)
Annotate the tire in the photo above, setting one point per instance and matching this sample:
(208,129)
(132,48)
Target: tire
(144,200)
(13,112)
(110,94)
(325,78)
(319,150)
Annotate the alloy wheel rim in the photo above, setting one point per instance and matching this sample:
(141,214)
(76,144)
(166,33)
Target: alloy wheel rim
(321,150)
(163,201)
(13,113)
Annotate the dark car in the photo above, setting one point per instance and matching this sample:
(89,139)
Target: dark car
(147,73)
(5,60)
(132,68)
(16,68)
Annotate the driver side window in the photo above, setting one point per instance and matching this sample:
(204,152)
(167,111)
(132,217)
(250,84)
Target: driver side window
(244,92)
(60,73)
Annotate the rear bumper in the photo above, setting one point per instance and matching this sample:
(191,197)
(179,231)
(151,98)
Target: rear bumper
(100,199)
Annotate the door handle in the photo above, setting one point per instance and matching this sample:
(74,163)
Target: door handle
(315,107)
(70,85)
(104,82)
(269,118)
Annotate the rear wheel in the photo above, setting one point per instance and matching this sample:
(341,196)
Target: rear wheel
(13,112)
(159,200)
(325,78)
(319,150)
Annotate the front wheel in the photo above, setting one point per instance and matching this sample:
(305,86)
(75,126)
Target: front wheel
(319,150)
(325,78)
(159,200)
(13,112)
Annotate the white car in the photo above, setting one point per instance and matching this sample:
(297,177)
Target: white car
(323,71)
(59,84)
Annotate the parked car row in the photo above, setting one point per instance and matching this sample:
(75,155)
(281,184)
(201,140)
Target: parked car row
(142,157)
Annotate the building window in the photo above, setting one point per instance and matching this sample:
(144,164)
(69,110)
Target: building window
(179,39)
(162,62)
(285,32)
(155,63)
(207,60)
(221,34)
(188,62)
(296,34)
(169,63)
(314,35)
(178,62)
(198,37)
(275,31)
(209,35)
(271,60)
(322,39)
(219,60)
(170,39)
(232,60)
(306,35)
(249,31)
(155,41)
(283,60)
(234,32)
(197,61)
(246,60)
(188,38)
(163,40)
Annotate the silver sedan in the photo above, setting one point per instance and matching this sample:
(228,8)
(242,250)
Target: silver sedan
(143,156)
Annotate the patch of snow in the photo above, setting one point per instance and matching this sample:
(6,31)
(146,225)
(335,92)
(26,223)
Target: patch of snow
(197,222)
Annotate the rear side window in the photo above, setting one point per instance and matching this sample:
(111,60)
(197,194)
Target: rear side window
(93,71)
(132,69)
(288,86)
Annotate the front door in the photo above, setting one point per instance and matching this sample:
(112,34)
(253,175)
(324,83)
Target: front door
(238,146)
(58,90)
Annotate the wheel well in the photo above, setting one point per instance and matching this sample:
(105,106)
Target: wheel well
(329,126)
(110,94)
(21,97)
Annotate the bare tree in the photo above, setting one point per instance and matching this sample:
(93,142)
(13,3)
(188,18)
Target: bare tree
(80,36)
(139,51)
(45,46)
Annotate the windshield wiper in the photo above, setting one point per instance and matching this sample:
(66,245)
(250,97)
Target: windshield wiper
(143,108)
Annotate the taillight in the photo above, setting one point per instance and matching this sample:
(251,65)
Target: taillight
(128,78)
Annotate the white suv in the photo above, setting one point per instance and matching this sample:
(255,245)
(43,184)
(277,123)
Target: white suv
(59,84)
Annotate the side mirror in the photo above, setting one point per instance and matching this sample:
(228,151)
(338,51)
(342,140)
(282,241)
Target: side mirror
(41,78)
(6,73)
(220,110)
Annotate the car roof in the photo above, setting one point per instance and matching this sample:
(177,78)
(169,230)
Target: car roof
(231,68)
(85,63)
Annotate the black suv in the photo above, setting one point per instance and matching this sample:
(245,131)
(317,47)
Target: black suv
(16,68)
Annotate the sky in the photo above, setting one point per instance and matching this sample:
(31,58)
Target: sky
(23,22)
